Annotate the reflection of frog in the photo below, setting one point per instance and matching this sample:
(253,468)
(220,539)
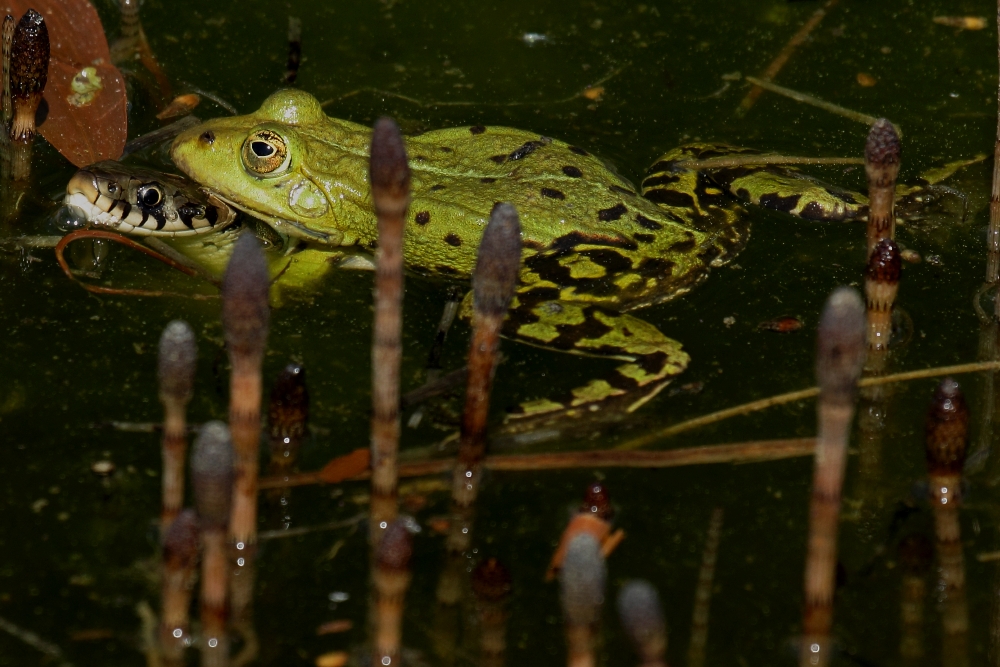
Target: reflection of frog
(594,248)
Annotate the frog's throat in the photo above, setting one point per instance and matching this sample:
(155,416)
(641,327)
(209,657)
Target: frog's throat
(286,227)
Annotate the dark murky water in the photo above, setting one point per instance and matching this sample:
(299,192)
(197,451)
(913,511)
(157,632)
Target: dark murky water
(78,551)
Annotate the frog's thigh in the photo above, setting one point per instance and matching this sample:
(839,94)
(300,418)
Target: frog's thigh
(577,328)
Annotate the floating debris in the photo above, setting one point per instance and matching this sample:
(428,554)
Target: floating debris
(962,22)
(866,80)
(594,93)
(182,105)
(532,38)
(785,324)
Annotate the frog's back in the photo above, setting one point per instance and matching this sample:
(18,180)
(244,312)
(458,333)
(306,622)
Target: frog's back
(586,230)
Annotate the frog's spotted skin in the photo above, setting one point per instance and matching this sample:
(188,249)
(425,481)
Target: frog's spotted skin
(594,246)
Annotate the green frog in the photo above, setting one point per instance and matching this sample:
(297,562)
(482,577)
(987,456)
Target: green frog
(595,247)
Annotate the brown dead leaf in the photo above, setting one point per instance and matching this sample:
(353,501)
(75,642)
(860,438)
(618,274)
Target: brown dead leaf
(595,93)
(96,130)
(345,467)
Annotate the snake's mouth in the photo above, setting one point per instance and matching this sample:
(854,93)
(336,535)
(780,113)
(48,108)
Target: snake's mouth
(86,203)
(282,226)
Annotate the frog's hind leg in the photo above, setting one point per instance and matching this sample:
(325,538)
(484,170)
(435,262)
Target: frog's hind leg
(776,187)
(651,359)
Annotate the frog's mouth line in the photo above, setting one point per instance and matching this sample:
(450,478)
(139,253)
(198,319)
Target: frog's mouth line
(293,228)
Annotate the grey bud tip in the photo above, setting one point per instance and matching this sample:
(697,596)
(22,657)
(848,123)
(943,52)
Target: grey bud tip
(583,576)
(388,169)
(640,612)
(498,261)
(245,287)
(841,345)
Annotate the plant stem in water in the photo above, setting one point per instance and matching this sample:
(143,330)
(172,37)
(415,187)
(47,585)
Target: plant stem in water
(178,357)
(839,358)
(390,182)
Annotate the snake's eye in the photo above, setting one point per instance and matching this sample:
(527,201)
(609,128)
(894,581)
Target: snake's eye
(265,153)
(150,196)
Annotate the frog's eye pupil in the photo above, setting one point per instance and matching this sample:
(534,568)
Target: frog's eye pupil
(150,195)
(262,149)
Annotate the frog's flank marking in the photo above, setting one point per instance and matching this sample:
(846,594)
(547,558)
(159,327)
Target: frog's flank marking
(572,171)
(422,218)
(613,213)
(646,223)
(644,238)
(578,151)
(499,159)
(438,187)
(477,129)
(487,179)
(526,149)
(445,149)
(779,203)
(453,240)
(552,193)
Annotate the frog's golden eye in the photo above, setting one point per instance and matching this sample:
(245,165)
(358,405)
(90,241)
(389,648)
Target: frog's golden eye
(265,153)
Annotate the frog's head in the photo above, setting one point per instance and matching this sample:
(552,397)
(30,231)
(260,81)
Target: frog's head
(258,162)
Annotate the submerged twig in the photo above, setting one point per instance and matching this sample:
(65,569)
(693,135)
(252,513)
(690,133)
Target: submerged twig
(165,133)
(294,49)
(729,162)
(801,395)
(703,591)
(744,452)
(784,56)
(816,102)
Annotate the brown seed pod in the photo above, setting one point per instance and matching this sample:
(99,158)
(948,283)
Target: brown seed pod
(885,266)
(947,429)
(491,580)
(29,68)
(597,501)
(883,148)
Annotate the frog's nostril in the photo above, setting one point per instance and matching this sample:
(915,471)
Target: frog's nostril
(207,137)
